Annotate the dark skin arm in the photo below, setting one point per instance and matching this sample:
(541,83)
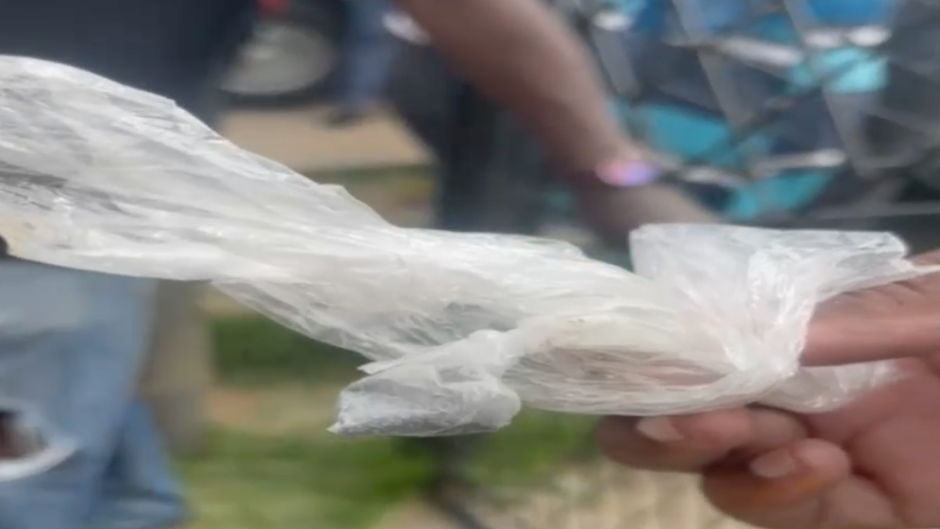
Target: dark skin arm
(521,55)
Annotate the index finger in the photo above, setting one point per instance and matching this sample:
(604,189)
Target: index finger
(877,331)
(850,339)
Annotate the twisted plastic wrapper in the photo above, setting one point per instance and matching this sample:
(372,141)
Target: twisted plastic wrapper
(462,329)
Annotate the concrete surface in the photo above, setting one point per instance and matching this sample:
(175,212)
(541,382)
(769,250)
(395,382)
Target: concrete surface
(300,138)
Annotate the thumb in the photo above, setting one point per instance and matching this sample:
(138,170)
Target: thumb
(808,484)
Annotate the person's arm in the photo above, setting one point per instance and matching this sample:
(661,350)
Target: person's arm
(521,55)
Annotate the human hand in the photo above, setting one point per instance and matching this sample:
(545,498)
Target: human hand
(620,195)
(873,464)
(614,213)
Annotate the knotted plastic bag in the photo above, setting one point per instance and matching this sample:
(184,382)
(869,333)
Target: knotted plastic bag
(462,329)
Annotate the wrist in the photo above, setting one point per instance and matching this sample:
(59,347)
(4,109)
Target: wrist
(616,172)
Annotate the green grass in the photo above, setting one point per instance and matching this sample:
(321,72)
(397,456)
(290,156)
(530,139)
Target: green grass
(289,482)
(305,477)
(392,175)
(293,481)
(253,350)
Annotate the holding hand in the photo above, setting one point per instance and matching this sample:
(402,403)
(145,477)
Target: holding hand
(873,464)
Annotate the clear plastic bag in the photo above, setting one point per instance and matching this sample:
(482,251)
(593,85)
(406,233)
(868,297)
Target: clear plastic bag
(463,329)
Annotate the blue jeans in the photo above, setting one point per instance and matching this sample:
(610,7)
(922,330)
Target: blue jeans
(71,343)
(367,54)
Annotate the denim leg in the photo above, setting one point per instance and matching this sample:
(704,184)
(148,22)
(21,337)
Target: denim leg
(138,490)
(368,53)
(70,345)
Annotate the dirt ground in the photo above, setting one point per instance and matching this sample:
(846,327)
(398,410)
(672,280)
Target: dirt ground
(299,138)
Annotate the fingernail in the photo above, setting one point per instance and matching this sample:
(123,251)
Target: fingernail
(659,429)
(774,465)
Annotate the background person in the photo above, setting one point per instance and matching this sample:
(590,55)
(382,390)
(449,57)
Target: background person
(366,57)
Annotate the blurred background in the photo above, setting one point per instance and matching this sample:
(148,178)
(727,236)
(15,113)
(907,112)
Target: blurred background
(803,112)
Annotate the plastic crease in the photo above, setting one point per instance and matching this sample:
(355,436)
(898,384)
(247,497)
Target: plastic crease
(462,328)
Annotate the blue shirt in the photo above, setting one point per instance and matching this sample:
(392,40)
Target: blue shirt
(652,14)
